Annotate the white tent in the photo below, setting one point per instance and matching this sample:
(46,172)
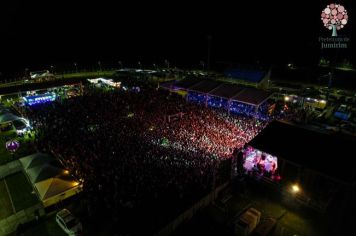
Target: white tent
(35,159)
(50,180)
(53,190)
(43,172)
(8,117)
(4,110)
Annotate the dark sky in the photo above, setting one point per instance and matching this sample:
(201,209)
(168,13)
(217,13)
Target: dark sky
(38,34)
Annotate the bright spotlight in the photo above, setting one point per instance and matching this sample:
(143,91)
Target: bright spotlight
(286,98)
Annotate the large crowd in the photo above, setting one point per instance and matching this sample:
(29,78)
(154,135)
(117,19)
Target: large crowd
(146,153)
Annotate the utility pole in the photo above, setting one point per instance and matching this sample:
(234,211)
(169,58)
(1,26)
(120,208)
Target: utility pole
(333,64)
(99,64)
(209,51)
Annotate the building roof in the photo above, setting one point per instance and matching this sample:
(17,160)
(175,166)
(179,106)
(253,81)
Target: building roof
(330,154)
(252,96)
(226,91)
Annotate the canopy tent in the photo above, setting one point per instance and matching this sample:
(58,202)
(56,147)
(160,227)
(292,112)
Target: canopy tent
(205,90)
(52,188)
(36,159)
(252,96)
(226,91)
(52,182)
(43,172)
(234,92)
(8,117)
(205,86)
(4,110)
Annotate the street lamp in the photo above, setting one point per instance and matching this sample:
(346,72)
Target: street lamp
(52,69)
(295,188)
(99,63)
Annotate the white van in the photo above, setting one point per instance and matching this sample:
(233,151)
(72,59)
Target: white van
(68,222)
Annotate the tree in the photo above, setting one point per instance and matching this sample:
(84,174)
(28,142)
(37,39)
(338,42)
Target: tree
(334,17)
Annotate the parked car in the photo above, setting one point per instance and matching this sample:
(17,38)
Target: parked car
(266,227)
(247,222)
(68,222)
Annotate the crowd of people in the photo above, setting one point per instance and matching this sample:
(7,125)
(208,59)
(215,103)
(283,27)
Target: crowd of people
(142,153)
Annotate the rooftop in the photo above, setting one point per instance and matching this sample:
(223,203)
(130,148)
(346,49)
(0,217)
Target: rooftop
(330,154)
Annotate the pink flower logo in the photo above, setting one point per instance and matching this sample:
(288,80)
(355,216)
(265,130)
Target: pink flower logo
(334,17)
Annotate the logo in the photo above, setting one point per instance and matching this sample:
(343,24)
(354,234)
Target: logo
(334,17)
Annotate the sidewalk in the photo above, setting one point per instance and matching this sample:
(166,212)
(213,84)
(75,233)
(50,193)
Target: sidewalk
(9,224)
(10,168)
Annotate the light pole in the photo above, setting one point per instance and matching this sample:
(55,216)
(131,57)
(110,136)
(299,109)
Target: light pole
(99,64)
(76,67)
(166,62)
(209,50)
(52,69)
(202,64)
(120,64)
(26,73)
(330,80)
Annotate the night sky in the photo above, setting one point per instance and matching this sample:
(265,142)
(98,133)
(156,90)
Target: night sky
(38,34)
